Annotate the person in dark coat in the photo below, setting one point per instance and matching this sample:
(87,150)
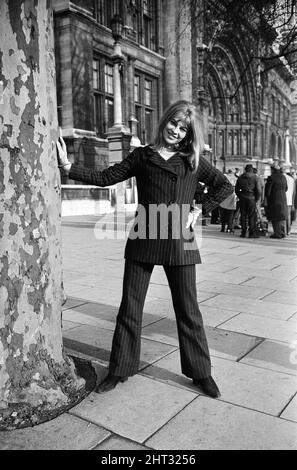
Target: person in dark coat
(276,201)
(169,174)
(248,190)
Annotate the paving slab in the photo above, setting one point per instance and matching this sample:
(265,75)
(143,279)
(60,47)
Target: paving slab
(235,289)
(269,263)
(207,424)
(215,267)
(293,319)
(229,277)
(66,432)
(279,330)
(96,342)
(283,270)
(252,387)
(255,388)
(253,271)
(203,295)
(101,315)
(135,409)
(290,412)
(272,283)
(213,316)
(69,325)
(239,250)
(230,258)
(228,344)
(159,291)
(160,308)
(221,343)
(273,355)
(99,282)
(253,307)
(288,298)
(290,252)
(73,302)
(92,294)
(73,275)
(83,319)
(120,443)
(158,276)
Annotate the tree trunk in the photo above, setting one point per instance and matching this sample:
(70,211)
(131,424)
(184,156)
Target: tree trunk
(36,378)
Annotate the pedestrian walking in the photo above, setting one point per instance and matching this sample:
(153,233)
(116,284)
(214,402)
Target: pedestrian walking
(290,196)
(260,201)
(228,206)
(168,173)
(276,200)
(237,215)
(227,210)
(248,190)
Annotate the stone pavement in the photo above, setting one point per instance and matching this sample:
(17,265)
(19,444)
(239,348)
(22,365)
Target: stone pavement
(248,298)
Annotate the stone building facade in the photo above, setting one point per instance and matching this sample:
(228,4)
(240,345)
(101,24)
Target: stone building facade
(170,50)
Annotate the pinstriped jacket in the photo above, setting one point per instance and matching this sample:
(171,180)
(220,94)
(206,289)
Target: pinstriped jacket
(166,191)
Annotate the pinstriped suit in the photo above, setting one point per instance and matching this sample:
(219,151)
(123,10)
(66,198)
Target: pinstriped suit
(173,184)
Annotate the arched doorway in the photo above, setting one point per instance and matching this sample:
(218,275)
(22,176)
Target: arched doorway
(230,104)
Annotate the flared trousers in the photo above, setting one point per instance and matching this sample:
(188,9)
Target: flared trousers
(126,344)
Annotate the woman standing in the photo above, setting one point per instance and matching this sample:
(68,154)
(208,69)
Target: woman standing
(168,175)
(276,201)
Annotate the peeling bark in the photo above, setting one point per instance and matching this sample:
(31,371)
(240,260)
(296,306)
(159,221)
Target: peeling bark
(35,374)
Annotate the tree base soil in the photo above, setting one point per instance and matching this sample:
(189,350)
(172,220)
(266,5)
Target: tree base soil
(22,415)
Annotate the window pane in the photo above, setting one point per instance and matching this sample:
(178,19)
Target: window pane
(108,113)
(98,115)
(136,88)
(108,73)
(149,24)
(96,74)
(145,95)
(147,92)
(148,126)
(147,32)
(138,117)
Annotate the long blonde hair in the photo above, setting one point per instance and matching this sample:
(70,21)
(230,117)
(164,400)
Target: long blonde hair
(193,143)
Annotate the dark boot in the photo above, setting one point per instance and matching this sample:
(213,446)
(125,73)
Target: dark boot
(208,386)
(109,383)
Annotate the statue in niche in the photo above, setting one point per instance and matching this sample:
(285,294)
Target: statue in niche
(130,15)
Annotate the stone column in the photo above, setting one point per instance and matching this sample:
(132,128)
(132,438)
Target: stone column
(135,142)
(119,136)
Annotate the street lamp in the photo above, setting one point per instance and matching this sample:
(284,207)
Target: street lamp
(116,24)
(215,143)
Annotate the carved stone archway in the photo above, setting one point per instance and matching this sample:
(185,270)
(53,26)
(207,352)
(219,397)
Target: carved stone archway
(231,103)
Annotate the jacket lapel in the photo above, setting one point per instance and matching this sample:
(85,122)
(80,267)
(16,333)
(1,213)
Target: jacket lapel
(157,160)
